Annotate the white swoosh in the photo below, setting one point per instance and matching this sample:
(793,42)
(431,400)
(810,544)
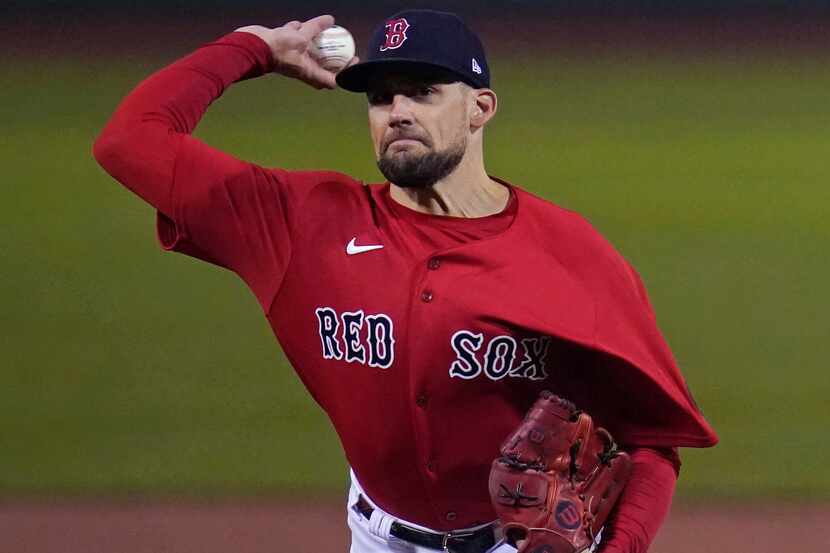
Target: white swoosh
(353,249)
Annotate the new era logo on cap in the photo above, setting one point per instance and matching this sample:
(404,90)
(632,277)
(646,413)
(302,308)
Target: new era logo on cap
(421,39)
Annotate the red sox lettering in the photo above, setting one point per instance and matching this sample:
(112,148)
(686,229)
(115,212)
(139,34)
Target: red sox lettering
(341,337)
(499,357)
(355,337)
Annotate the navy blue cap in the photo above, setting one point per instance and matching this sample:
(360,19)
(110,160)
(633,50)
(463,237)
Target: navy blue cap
(421,39)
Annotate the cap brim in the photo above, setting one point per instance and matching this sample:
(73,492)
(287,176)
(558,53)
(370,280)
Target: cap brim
(355,78)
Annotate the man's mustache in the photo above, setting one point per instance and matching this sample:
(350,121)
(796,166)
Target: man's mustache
(406,136)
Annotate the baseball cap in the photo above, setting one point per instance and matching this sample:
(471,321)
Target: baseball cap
(421,39)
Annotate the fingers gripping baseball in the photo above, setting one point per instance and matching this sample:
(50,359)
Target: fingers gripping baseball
(290,45)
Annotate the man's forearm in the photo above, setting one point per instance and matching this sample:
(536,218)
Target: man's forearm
(139,144)
(644,503)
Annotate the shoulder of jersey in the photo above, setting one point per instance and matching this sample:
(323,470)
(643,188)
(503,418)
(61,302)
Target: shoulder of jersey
(571,229)
(547,212)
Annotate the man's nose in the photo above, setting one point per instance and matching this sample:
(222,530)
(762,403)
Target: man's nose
(400,113)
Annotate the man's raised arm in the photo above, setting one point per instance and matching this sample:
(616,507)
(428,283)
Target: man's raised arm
(211,205)
(139,145)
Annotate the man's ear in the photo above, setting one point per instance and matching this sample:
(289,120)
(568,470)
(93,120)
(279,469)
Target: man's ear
(484,106)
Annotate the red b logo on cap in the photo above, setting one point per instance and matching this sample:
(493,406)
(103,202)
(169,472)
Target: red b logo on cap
(395,33)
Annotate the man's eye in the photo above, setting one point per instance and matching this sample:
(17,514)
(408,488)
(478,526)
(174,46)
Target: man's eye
(426,91)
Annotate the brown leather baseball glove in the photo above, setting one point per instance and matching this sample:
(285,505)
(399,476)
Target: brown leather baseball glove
(557,479)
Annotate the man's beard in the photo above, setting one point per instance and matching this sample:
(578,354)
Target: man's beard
(421,171)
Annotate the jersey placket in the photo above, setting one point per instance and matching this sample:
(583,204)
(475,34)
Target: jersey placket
(422,341)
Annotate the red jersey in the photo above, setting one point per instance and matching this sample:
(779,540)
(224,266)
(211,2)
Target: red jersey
(424,338)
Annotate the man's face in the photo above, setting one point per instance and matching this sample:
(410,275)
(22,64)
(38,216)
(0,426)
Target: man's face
(419,126)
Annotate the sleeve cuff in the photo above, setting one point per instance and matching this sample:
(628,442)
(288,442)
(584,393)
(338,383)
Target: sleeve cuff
(167,232)
(257,48)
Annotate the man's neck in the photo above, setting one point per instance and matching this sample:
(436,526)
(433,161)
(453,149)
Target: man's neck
(466,192)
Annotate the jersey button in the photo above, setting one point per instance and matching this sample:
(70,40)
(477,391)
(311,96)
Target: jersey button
(451,515)
(434,263)
(421,400)
(426,296)
(431,466)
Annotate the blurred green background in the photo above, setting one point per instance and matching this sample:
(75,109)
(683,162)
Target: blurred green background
(128,370)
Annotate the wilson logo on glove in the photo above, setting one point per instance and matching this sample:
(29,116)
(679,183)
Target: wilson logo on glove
(567,515)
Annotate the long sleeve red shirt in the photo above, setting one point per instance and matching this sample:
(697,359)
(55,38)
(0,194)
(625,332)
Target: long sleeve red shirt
(144,146)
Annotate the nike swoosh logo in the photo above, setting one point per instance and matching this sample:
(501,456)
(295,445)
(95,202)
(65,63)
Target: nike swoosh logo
(352,248)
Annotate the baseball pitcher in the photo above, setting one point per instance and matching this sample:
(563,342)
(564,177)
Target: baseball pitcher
(515,389)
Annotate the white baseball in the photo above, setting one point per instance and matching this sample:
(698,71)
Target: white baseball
(333,48)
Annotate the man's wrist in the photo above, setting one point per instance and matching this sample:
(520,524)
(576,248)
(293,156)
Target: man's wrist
(256,50)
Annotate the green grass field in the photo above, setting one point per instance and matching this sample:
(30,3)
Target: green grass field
(128,370)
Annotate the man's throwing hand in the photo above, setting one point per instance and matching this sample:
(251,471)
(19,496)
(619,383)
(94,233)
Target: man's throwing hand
(290,46)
